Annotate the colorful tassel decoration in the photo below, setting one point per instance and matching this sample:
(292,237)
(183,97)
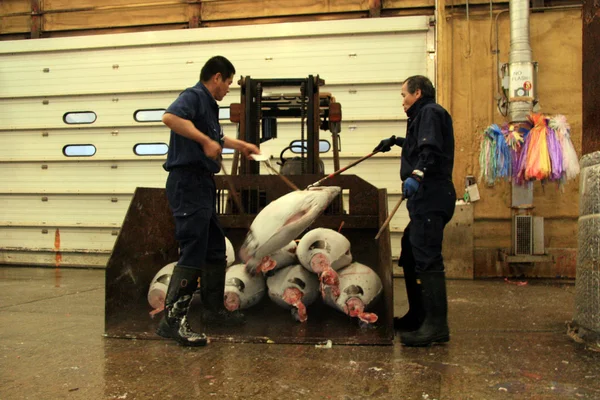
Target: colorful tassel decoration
(514,139)
(540,149)
(570,160)
(538,159)
(503,156)
(521,162)
(487,156)
(494,159)
(556,155)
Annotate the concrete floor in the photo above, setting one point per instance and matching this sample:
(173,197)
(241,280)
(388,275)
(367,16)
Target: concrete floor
(507,342)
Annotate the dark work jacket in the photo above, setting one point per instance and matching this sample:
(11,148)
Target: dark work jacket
(199,106)
(429,143)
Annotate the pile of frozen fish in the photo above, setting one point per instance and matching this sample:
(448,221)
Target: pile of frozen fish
(293,273)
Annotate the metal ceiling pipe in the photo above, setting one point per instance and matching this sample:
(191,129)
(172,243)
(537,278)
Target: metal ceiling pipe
(520,48)
(521,68)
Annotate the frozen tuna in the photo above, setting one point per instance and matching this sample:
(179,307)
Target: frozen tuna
(160,283)
(284,219)
(281,258)
(294,288)
(360,288)
(324,251)
(241,289)
(229,252)
(158,288)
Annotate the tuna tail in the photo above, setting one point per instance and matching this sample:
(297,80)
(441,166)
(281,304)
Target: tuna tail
(293,296)
(267,264)
(330,283)
(299,312)
(232,301)
(369,318)
(252,267)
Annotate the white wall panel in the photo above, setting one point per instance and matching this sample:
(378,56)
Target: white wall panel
(97,177)
(359,102)
(396,239)
(45,258)
(362,62)
(64,210)
(223,34)
(160,68)
(110,143)
(360,137)
(116,143)
(111,110)
(71,239)
(81,177)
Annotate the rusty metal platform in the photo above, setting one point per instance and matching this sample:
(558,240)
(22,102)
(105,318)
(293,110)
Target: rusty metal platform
(146,243)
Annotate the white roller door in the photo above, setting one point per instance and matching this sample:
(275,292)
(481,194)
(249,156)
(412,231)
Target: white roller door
(75,204)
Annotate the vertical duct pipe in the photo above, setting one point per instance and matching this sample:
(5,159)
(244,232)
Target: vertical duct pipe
(521,75)
(521,67)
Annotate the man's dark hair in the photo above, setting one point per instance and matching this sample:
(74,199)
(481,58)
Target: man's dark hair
(420,82)
(217,64)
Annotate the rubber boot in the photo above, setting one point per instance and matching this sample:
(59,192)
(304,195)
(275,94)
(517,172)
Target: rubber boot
(174,324)
(212,290)
(413,319)
(435,303)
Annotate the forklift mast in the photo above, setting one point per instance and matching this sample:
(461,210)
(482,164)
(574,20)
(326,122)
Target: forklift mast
(260,109)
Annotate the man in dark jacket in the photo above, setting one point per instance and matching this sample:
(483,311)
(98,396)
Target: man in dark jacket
(426,172)
(194,157)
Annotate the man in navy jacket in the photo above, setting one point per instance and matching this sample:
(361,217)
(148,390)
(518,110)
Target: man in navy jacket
(194,157)
(426,172)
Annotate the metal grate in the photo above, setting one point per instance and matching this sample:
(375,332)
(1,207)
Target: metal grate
(523,235)
(336,207)
(253,201)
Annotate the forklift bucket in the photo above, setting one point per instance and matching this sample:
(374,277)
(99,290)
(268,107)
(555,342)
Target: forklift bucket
(146,243)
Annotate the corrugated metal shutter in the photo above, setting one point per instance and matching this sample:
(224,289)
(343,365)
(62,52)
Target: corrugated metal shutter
(75,205)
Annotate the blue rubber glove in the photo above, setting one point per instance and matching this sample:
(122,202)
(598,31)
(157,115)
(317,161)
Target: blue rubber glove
(410,187)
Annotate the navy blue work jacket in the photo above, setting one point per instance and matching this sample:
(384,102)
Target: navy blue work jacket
(199,106)
(429,143)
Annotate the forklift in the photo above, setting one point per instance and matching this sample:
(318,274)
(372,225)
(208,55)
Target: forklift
(266,101)
(146,240)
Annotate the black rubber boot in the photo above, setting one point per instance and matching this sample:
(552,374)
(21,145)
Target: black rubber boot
(174,324)
(435,303)
(412,320)
(212,289)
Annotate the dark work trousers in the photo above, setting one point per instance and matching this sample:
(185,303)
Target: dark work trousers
(429,209)
(192,198)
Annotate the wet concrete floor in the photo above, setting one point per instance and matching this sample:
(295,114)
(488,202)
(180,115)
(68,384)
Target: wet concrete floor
(507,342)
